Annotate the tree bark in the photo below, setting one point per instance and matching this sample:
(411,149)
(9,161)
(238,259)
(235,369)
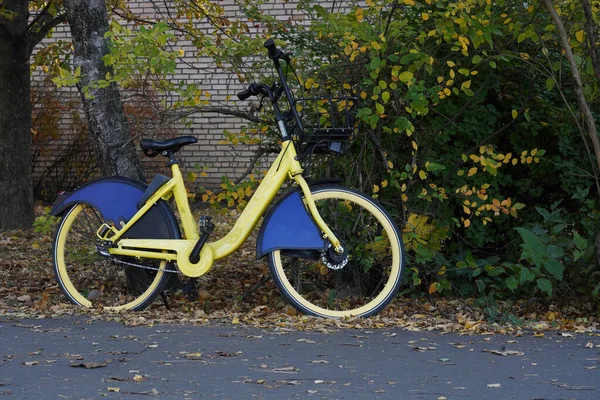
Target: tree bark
(108,129)
(16,196)
(593,36)
(583,104)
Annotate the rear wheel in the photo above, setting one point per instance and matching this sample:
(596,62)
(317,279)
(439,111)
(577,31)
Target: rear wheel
(89,277)
(361,281)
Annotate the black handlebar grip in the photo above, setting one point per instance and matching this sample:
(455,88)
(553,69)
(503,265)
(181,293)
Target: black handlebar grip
(243,95)
(270,45)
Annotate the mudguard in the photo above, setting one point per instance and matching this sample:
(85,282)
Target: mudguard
(288,226)
(117,198)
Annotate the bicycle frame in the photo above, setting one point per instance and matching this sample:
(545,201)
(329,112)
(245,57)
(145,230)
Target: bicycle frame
(285,166)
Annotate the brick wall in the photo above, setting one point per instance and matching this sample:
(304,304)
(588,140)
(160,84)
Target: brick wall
(217,159)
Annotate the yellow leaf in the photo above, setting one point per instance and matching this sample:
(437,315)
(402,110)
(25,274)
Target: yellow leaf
(472,171)
(433,288)
(390,165)
(442,271)
(422,174)
(375,45)
(450,64)
(514,113)
(425,16)
(580,36)
(384,183)
(114,389)
(466,84)
(204,197)
(375,188)
(359,14)
(467,210)
(415,145)
(467,223)
(235,320)
(363,95)
(515,161)
(409,2)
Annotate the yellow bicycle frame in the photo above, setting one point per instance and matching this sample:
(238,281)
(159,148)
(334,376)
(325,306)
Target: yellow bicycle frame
(285,166)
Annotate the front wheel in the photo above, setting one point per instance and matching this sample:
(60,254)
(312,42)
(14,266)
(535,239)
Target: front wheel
(89,277)
(361,281)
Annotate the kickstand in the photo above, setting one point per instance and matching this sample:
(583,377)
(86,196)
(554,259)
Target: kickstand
(163,296)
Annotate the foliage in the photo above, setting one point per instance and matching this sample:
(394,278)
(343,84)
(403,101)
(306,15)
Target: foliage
(467,126)
(466,129)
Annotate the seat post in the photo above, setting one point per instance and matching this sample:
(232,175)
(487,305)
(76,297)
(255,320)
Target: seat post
(172,159)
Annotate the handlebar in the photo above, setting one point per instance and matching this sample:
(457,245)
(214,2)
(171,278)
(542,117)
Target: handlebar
(274,93)
(272,48)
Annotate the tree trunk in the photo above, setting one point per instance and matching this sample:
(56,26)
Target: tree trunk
(108,128)
(583,104)
(16,196)
(592,36)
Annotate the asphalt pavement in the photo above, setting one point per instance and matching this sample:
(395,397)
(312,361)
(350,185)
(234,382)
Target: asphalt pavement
(75,358)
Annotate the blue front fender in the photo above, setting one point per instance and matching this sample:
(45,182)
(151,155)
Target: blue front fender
(289,226)
(116,198)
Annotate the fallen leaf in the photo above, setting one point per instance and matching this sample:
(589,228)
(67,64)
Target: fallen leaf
(306,341)
(193,356)
(91,365)
(493,385)
(320,362)
(114,389)
(284,369)
(30,363)
(589,345)
(504,352)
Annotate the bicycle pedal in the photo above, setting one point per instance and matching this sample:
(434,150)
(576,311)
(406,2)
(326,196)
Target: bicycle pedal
(205,224)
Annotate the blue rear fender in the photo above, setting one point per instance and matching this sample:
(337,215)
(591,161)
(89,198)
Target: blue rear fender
(289,226)
(117,198)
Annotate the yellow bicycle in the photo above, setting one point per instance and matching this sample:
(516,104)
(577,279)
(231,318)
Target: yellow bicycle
(332,251)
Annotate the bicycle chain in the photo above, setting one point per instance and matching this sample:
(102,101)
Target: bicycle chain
(116,260)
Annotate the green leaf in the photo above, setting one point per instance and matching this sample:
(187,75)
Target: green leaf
(550,84)
(521,37)
(512,283)
(480,285)
(526,275)
(477,59)
(545,285)
(533,248)
(406,76)
(374,64)
(380,108)
(579,241)
(554,267)
(385,96)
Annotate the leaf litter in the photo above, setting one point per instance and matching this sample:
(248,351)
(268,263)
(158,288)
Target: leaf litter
(28,290)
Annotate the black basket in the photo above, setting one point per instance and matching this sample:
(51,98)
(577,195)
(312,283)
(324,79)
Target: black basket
(328,122)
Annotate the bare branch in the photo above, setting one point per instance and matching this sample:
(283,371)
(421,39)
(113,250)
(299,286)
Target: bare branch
(261,151)
(591,31)
(36,37)
(39,16)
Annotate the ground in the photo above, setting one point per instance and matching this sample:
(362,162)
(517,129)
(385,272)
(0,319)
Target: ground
(235,292)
